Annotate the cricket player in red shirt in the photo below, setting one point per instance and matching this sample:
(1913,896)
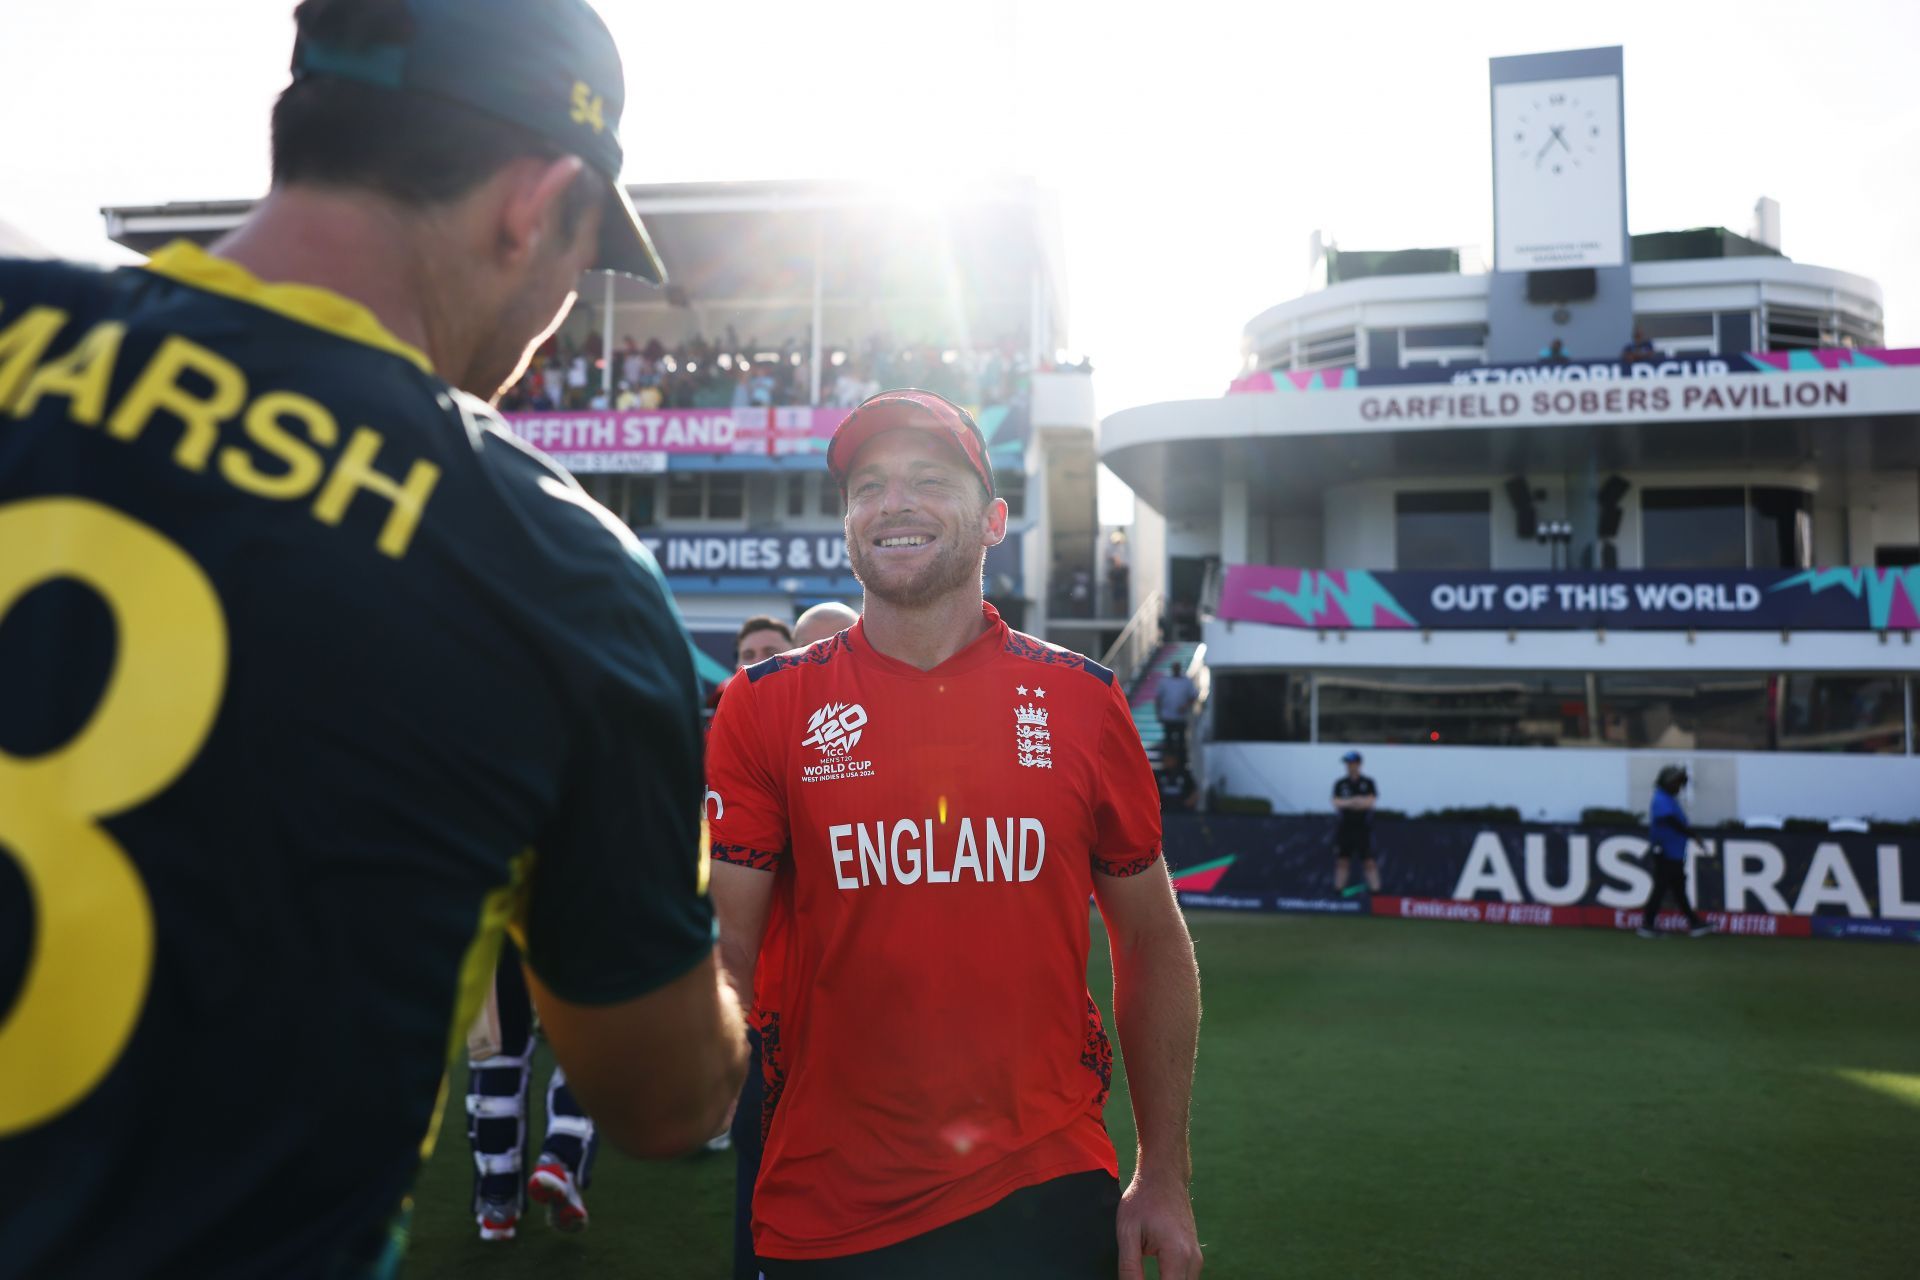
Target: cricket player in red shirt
(907,820)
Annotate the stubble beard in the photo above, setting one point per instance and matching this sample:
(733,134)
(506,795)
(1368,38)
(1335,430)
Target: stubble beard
(955,568)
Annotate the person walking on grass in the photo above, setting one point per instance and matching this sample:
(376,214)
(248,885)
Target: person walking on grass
(1668,833)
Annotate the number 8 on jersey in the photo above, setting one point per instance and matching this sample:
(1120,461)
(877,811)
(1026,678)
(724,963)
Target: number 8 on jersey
(92,953)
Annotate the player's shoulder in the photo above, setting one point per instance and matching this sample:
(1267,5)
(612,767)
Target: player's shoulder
(43,298)
(48,282)
(187,312)
(565,526)
(787,669)
(1025,649)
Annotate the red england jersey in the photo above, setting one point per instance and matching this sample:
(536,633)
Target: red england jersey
(929,1044)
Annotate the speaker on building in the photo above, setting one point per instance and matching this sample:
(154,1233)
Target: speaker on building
(1526,521)
(1569,284)
(1611,495)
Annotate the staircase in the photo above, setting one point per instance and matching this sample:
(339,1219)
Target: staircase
(1146,716)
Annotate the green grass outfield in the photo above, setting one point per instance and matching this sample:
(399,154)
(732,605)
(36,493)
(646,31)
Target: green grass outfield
(1423,1099)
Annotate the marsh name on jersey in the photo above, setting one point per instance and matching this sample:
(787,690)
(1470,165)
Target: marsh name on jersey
(291,447)
(926,850)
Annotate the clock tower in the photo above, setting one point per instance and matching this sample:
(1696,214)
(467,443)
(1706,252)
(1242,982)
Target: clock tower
(1562,262)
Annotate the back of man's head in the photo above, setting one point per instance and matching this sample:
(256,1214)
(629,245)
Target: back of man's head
(824,619)
(413,149)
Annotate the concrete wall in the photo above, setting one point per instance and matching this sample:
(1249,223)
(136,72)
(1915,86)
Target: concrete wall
(1510,552)
(1896,511)
(1555,785)
(1148,549)
(1063,400)
(1196,536)
(1359,526)
(1295,539)
(1595,329)
(1357,520)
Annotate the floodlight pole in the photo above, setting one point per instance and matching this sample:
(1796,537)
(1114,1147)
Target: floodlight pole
(819,277)
(1033,318)
(606,344)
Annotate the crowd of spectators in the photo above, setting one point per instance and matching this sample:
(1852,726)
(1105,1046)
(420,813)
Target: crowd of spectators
(569,374)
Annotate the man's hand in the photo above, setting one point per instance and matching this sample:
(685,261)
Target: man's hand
(1156,1006)
(1156,1217)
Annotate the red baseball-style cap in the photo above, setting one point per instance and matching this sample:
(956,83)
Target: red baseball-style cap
(909,407)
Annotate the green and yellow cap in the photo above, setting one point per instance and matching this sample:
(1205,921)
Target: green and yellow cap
(549,66)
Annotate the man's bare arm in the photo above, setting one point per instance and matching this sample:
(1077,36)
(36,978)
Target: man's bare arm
(657,1072)
(1156,1005)
(741,897)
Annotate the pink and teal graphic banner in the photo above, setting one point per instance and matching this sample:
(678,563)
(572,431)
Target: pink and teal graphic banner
(1288,380)
(1831,358)
(1647,600)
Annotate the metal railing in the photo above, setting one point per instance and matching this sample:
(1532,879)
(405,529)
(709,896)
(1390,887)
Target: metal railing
(1139,640)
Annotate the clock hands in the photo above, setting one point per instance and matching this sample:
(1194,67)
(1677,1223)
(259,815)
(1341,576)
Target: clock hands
(1555,134)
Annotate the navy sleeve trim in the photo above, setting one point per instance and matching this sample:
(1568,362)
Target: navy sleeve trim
(741,855)
(1131,867)
(817,654)
(1022,645)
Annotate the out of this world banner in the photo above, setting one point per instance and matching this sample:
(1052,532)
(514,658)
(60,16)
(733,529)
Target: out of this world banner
(1850,599)
(1762,883)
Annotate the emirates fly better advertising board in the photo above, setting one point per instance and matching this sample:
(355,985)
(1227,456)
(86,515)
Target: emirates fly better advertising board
(1773,884)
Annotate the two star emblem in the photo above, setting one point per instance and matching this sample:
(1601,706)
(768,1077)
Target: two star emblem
(1022,691)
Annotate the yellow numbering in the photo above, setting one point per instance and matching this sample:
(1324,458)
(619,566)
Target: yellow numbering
(589,107)
(92,953)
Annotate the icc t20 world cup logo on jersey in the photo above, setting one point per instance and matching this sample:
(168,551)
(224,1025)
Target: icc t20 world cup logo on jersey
(835,728)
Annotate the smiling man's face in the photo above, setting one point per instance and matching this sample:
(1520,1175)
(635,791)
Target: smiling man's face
(918,520)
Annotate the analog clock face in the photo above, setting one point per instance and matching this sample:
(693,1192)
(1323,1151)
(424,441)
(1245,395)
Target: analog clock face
(1558,190)
(1557,133)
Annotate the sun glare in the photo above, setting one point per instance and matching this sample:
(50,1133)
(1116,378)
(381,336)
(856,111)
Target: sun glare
(1891,1084)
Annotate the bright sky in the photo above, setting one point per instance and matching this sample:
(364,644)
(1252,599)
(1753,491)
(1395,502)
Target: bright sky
(1194,146)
